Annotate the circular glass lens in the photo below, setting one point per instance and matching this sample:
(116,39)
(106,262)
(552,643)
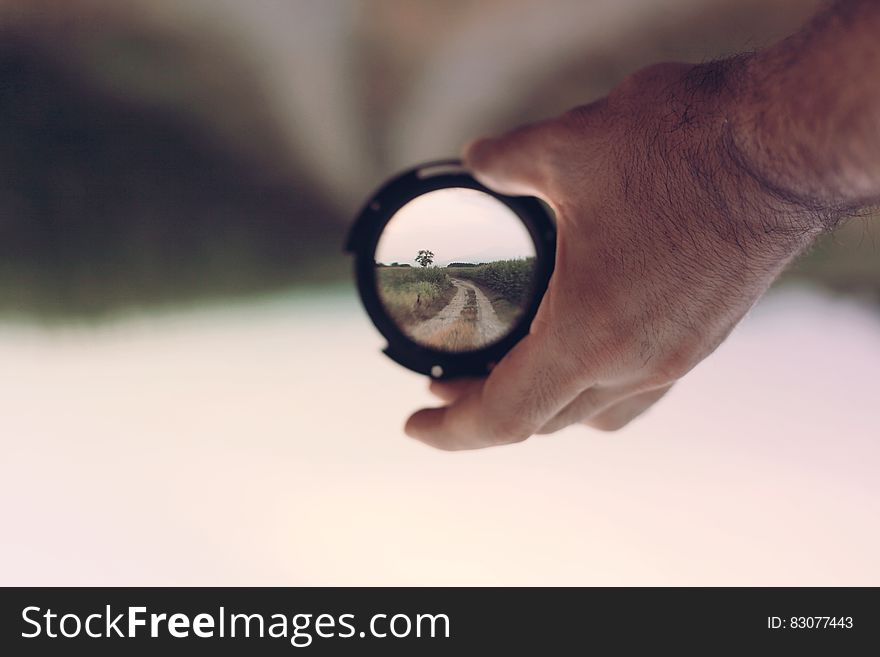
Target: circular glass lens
(455,269)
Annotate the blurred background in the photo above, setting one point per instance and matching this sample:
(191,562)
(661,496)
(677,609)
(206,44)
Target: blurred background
(191,394)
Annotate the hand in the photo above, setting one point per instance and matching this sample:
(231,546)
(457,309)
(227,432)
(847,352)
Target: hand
(665,241)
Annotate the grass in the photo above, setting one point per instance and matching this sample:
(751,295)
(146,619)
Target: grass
(413,294)
(458,336)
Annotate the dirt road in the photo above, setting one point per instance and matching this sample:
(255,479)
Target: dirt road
(467,322)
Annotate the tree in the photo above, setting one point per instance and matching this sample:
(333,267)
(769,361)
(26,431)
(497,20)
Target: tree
(424,258)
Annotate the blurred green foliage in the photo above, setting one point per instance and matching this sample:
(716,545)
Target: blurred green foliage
(846,261)
(117,191)
(107,203)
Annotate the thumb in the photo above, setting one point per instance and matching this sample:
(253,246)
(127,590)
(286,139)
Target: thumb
(515,163)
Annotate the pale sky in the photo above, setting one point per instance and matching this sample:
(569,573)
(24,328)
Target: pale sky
(458,225)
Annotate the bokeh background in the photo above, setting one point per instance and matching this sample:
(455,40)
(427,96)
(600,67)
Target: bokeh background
(191,394)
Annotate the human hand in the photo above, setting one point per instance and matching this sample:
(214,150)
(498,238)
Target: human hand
(665,240)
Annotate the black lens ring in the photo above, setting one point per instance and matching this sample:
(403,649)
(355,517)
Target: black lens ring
(364,238)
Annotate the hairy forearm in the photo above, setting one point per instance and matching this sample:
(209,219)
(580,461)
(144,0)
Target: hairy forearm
(806,115)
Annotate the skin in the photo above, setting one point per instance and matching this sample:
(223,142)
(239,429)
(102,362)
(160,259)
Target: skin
(679,198)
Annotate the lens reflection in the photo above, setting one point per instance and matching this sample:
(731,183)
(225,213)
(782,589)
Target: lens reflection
(455,269)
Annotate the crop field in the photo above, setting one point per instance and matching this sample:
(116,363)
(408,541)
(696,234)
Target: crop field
(507,283)
(509,279)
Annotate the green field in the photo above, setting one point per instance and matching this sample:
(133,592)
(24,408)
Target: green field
(507,283)
(509,279)
(413,294)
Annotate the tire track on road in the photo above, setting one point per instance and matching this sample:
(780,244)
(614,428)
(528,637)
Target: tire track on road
(450,330)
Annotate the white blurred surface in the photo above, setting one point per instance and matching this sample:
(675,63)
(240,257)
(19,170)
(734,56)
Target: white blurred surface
(263,445)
